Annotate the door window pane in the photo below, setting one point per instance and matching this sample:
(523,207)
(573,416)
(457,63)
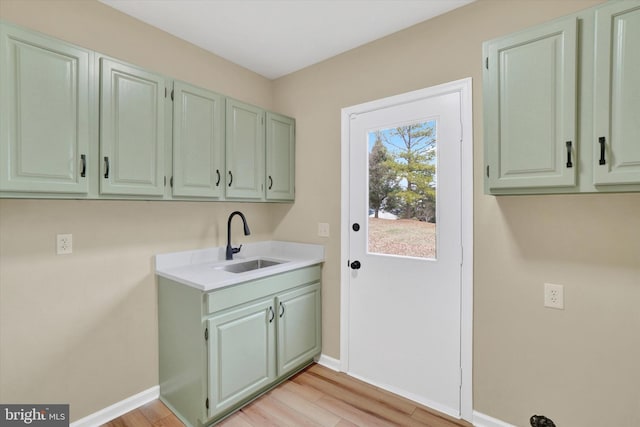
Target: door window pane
(402,190)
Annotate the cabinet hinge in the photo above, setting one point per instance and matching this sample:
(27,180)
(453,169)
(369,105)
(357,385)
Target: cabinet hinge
(486,62)
(206,334)
(487,171)
(206,403)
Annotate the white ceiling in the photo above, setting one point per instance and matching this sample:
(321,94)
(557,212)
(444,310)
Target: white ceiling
(277,37)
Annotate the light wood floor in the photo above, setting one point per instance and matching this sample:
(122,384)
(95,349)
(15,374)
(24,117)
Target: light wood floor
(316,396)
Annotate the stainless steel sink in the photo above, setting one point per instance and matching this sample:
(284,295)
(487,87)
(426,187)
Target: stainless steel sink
(243,267)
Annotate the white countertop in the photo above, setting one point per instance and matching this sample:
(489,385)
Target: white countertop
(202,270)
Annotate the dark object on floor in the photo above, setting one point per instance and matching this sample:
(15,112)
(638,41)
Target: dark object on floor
(541,421)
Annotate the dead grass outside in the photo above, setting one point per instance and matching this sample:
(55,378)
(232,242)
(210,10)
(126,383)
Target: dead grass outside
(402,237)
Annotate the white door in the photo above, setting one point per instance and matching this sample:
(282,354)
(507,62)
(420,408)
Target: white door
(404,282)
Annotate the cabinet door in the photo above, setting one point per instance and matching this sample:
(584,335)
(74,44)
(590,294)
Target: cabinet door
(299,327)
(241,354)
(530,107)
(244,151)
(281,157)
(131,130)
(198,138)
(617,94)
(44,114)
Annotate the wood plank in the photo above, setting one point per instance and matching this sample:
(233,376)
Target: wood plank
(285,415)
(257,417)
(351,414)
(239,419)
(135,418)
(435,419)
(169,421)
(372,406)
(117,422)
(374,393)
(308,393)
(154,411)
(310,409)
(345,423)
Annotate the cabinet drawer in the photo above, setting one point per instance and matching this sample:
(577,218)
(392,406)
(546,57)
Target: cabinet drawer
(256,289)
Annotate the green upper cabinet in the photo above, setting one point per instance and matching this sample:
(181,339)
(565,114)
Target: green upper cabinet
(132,128)
(530,107)
(244,151)
(561,105)
(44,114)
(280,160)
(198,142)
(75,123)
(616,139)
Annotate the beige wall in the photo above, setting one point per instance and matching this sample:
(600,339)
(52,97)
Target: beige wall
(578,366)
(82,328)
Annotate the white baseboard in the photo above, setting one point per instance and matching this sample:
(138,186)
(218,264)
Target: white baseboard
(329,362)
(482,420)
(117,409)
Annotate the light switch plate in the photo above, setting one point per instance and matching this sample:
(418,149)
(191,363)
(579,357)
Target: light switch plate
(323,229)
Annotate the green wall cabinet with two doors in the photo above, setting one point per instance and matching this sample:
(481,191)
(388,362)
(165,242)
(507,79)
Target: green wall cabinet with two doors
(562,105)
(257,169)
(79,124)
(221,349)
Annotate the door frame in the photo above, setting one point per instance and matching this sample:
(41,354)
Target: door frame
(464,88)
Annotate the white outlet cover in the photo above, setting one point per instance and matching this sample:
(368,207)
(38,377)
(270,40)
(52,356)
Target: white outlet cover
(554,296)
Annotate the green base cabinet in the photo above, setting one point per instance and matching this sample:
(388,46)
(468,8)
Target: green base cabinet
(299,331)
(221,349)
(241,354)
(561,105)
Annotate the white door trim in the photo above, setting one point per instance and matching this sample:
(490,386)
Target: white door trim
(464,87)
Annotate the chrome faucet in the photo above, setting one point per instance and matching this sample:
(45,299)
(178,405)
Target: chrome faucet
(232,250)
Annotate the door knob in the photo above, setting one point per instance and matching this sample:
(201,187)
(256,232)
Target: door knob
(355,265)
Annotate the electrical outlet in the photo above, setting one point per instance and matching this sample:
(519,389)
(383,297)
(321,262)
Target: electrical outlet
(323,229)
(64,244)
(554,296)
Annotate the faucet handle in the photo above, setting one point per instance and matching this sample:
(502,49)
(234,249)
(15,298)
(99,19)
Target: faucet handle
(236,250)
